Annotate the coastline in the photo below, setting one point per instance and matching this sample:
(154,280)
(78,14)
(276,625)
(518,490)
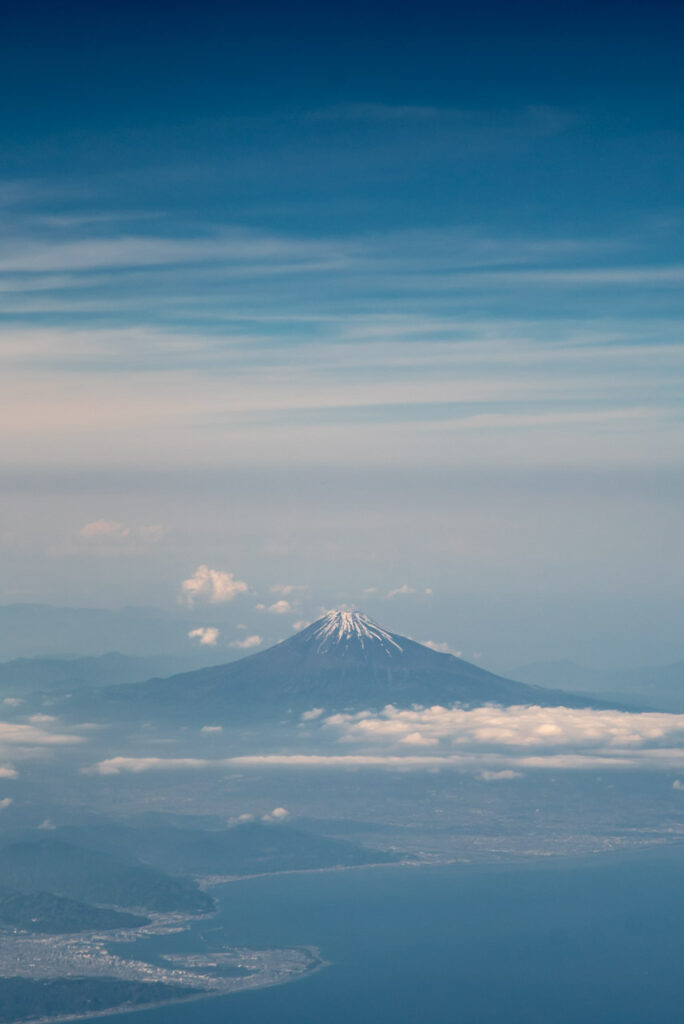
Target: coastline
(255,983)
(178,1000)
(214,881)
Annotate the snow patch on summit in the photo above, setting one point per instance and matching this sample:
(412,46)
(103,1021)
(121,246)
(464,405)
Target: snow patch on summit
(340,627)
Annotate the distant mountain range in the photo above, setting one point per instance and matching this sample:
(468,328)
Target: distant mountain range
(45,631)
(23,676)
(342,661)
(48,865)
(660,687)
(244,848)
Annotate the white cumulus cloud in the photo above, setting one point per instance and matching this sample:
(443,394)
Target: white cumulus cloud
(520,726)
(281,607)
(207,635)
(418,739)
(6,802)
(277,814)
(401,591)
(212,728)
(212,585)
(249,642)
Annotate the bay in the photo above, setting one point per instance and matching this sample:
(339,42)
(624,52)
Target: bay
(553,943)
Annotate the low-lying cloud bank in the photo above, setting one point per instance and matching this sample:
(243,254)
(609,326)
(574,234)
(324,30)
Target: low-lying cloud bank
(489,765)
(522,726)
(31,739)
(496,742)
(34,735)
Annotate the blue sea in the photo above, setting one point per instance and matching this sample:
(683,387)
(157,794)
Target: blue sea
(599,940)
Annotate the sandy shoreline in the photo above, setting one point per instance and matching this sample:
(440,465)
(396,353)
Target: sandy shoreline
(213,881)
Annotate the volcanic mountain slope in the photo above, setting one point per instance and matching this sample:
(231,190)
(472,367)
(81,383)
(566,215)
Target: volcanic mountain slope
(342,661)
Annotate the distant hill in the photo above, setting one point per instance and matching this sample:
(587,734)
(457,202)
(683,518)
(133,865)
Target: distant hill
(242,849)
(45,913)
(660,687)
(342,661)
(46,631)
(24,676)
(94,876)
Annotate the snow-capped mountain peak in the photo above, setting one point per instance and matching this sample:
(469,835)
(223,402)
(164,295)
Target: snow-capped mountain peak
(339,628)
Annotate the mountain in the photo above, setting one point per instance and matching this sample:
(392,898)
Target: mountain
(244,848)
(661,687)
(96,877)
(342,661)
(46,913)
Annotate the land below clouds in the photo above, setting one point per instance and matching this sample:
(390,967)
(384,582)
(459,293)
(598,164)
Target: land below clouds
(55,959)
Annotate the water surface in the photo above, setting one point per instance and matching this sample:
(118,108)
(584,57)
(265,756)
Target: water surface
(551,943)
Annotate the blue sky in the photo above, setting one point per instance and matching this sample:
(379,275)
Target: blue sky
(354,299)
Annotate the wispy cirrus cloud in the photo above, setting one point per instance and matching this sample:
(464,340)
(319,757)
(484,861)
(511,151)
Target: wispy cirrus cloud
(105,529)
(286,589)
(240,247)
(419,344)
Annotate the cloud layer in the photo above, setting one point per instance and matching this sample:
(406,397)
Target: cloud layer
(498,743)
(33,735)
(523,726)
(667,759)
